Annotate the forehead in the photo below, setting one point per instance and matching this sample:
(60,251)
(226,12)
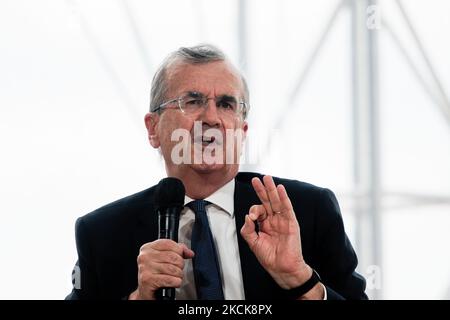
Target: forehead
(211,78)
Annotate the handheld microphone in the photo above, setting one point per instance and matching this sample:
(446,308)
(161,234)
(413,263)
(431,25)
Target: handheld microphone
(169,201)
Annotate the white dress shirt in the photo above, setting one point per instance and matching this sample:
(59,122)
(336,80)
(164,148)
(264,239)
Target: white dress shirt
(223,228)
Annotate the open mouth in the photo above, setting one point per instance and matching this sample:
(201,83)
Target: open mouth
(205,140)
(208,139)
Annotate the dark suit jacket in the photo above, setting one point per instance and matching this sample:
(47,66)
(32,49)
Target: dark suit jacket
(108,241)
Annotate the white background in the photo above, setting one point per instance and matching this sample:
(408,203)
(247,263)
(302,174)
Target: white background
(74,88)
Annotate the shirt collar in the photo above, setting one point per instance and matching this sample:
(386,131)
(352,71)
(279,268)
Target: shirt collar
(223,198)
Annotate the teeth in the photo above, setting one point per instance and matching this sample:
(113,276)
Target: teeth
(204,139)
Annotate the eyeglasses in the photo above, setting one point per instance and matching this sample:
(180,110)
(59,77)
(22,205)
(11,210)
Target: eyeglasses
(193,102)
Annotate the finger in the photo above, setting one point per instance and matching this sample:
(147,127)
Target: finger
(150,282)
(272,192)
(287,205)
(187,253)
(165,281)
(248,232)
(166,269)
(262,194)
(167,257)
(163,245)
(284,198)
(148,253)
(257,212)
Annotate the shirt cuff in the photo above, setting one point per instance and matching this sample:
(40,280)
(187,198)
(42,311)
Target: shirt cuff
(325,291)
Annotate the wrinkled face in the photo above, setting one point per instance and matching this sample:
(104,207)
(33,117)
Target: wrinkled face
(208,140)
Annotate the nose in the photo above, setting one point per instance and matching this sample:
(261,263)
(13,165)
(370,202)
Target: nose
(209,115)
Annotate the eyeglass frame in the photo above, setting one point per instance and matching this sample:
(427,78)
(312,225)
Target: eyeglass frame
(162,106)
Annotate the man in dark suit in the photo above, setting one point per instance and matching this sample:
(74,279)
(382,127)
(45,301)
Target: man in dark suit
(270,238)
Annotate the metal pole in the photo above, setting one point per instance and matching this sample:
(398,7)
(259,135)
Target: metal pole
(365,140)
(242,34)
(445,105)
(435,99)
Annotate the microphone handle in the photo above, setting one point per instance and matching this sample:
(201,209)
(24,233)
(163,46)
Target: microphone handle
(168,221)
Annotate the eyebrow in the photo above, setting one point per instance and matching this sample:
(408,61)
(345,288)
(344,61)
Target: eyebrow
(195,94)
(226,97)
(222,97)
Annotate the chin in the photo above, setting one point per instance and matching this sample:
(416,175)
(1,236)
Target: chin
(204,168)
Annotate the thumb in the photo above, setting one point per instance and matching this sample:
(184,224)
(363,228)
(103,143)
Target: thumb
(187,253)
(248,231)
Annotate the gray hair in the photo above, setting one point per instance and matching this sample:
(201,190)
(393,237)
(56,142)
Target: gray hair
(192,55)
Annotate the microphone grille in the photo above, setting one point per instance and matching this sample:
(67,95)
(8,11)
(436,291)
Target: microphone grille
(169,192)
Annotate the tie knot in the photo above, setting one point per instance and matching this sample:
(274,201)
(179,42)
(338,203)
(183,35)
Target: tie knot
(198,206)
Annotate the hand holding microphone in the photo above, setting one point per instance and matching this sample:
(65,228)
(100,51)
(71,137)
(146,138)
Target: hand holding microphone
(161,262)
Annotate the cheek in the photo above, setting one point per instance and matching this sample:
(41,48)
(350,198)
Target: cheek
(236,131)
(233,124)
(240,125)
(170,124)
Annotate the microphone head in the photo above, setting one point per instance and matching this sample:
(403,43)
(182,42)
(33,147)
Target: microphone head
(169,192)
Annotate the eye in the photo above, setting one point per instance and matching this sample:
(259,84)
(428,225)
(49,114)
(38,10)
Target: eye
(194,102)
(226,105)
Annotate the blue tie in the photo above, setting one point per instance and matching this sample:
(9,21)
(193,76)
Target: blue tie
(206,267)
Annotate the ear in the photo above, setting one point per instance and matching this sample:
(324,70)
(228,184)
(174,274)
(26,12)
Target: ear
(151,123)
(245,128)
